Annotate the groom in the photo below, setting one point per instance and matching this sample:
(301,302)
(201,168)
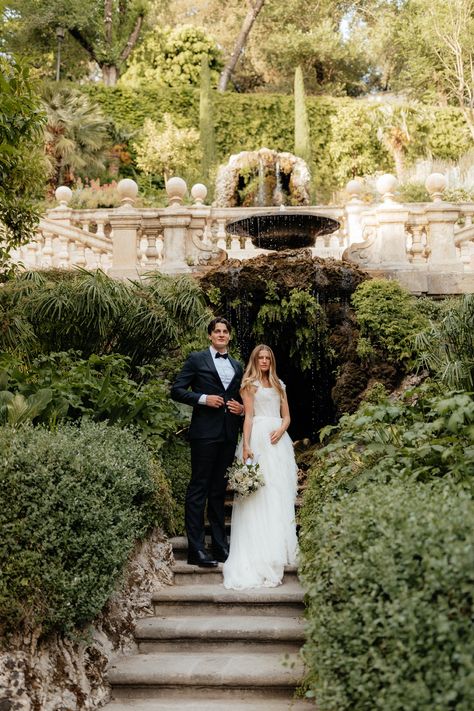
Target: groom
(210,382)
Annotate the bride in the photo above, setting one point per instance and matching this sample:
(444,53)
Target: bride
(263,531)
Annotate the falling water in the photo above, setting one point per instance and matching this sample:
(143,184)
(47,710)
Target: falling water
(261,194)
(278,197)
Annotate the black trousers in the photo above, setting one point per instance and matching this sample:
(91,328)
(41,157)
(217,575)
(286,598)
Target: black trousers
(210,460)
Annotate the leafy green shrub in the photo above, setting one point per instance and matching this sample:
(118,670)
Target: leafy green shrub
(90,312)
(64,386)
(447,347)
(343,132)
(175,457)
(389,321)
(73,503)
(423,437)
(388,574)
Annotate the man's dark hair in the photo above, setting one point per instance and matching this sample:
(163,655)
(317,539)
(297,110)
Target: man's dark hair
(217,320)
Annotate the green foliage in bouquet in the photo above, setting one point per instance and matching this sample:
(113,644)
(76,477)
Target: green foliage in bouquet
(245,478)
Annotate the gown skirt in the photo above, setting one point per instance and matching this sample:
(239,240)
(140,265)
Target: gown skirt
(263,530)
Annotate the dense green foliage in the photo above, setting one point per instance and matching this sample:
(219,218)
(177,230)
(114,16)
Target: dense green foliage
(447,347)
(175,458)
(64,386)
(73,503)
(298,313)
(389,321)
(92,313)
(344,139)
(390,600)
(21,164)
(386,562)
(302,135)
(173,57)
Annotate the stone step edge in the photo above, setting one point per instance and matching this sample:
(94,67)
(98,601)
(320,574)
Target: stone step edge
(201,669)
(274,629)
(183,568)
(218,594)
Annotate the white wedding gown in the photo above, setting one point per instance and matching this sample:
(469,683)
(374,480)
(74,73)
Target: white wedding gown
(263,530)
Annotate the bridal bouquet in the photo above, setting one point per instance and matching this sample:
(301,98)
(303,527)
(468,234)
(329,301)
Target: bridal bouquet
(244,477)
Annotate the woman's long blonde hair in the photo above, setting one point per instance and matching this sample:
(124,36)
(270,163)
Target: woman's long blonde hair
(253,373)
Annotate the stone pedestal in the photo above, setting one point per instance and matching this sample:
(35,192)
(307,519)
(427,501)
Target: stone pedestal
(125,222)
(443,256)
(175,234)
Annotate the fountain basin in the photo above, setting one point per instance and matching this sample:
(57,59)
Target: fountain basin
(283,230)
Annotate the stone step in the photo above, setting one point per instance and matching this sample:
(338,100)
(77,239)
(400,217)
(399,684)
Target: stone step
(286,600)
(242,676)
(170,703)
(185,574)
(224,633)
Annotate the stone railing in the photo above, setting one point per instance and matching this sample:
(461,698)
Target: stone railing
(427,246)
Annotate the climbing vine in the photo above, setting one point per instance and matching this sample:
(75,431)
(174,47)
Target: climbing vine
(299,318)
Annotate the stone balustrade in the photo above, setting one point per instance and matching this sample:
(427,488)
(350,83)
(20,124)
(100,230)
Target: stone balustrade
(429,247)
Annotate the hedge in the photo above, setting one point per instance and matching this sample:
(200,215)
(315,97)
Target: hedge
(389,574)
(74,501)
(343,131)
(387,556)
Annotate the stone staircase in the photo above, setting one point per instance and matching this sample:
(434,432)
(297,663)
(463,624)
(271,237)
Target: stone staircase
(210,648)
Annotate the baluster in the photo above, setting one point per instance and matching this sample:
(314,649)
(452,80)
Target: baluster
(221,234)
(63,253)
(80,253)
(151,252)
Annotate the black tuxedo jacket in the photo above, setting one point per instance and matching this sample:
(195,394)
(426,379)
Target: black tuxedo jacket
(197,377)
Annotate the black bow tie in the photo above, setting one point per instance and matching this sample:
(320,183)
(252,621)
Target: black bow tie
(221,355)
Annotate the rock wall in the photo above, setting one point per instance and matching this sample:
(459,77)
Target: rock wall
(66,674)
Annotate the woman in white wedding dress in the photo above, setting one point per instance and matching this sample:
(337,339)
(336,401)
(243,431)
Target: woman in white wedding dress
(263,531)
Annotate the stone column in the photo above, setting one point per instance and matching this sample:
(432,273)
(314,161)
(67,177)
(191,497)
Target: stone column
(175,225)
(391,226)
(442,216)
(125,221)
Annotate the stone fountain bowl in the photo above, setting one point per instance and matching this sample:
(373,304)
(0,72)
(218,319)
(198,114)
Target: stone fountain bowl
(283,230)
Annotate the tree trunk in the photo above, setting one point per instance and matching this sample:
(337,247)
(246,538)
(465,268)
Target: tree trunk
(110,74)
(240,44)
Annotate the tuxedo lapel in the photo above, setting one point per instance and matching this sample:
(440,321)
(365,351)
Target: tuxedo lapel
(209,360)
(236,367)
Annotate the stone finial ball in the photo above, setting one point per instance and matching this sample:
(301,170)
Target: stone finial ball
(63,194)
(127,189)
(436,183)
(176,188)
(199,193)
(354,187)
(386,184)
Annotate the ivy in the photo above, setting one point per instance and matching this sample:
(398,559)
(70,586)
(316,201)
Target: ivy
(298,313)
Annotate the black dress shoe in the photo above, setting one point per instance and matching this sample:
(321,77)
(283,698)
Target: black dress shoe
(220,554)
(202,559)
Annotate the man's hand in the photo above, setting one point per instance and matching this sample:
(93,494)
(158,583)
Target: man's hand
(214,400)
(236,408)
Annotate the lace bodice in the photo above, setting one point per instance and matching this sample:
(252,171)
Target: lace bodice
(266,402)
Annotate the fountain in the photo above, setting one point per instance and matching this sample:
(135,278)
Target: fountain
(296,303)
(283,230)
(263,177)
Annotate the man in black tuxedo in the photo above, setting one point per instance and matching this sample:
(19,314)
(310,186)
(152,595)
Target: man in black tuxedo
(210,382)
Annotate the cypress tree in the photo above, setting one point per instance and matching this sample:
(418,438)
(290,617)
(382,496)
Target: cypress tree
(206,122)
(302,137)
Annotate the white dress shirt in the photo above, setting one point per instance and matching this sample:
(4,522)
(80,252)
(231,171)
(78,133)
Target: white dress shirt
(225,371)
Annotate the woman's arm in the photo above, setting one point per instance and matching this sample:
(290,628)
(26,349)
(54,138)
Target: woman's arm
(247,395)
(275,436)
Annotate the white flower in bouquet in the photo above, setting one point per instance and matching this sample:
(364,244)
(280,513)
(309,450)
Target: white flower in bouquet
(245,477)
